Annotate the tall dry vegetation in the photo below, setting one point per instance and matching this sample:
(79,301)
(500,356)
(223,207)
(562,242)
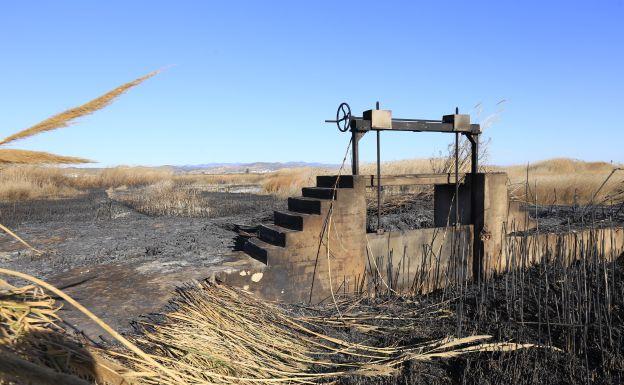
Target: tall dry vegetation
(165,197)
(289,182)
(566,181)
(555,181)
(33,182)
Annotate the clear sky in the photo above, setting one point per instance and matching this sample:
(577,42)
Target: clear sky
(253,81)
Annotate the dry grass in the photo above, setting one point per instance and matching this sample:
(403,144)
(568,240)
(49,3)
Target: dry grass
(565,181)
(165,197)
(214,334)
(288,182)
(34,182)
(24,310)
(200,180)
(555,181)
(407,166)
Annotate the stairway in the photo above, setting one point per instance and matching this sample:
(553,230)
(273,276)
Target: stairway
(300,267)
(299,228)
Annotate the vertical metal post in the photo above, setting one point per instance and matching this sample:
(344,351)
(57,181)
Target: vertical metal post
(457,179)
(355,153)
(378,178)
(458,248)
(378,184)
(475,217)
(456,174)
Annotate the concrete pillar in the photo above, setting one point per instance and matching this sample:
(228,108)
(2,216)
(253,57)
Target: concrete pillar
(488,214)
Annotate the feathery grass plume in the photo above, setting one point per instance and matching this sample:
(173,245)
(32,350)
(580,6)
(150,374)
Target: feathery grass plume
(15,156)
(65,118)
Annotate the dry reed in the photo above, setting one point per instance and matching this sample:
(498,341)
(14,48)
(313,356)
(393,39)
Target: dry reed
(556,181)
(213,334)
(65,118)
(14,156)
(564,181)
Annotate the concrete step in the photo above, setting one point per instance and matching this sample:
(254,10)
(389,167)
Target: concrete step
(294,221)
(260,250)
(308,205)
(320,192)
(345,181)
(273,234)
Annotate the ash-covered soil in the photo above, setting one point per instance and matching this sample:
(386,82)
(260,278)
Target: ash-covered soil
(400,214)
(119,262)
(93,229)
(559,218)
(415,211)
(124,264)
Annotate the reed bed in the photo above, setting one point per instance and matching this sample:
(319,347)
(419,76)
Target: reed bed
(552,182)
(561,290)
(219,335)
(164,198)
(563,181)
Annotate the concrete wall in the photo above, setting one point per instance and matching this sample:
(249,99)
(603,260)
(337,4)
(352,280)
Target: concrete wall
(484,203)
(419,261)
(313,264)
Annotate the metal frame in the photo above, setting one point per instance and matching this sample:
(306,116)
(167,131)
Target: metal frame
(456,124)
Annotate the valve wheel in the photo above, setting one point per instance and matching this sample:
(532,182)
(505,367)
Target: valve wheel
(343,117)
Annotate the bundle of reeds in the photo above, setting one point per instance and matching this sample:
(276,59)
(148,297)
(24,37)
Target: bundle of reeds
(219,335)
(24,310)
(35,349)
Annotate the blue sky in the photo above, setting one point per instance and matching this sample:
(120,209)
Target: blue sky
(253,81)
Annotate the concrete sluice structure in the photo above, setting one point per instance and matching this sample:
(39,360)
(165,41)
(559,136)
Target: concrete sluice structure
(320,247)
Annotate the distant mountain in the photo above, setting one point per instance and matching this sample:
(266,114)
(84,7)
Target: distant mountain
(256,167)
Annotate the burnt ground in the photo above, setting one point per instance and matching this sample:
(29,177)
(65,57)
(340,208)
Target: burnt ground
(400,214)
(408,212)
(560,218)
(119,262)
(571,315)
(123,263)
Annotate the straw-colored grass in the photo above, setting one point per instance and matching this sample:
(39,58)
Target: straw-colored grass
(556,181)
(166,197)
(214,334)
(288,182)
(565,181)
(24,310)
(33,182)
